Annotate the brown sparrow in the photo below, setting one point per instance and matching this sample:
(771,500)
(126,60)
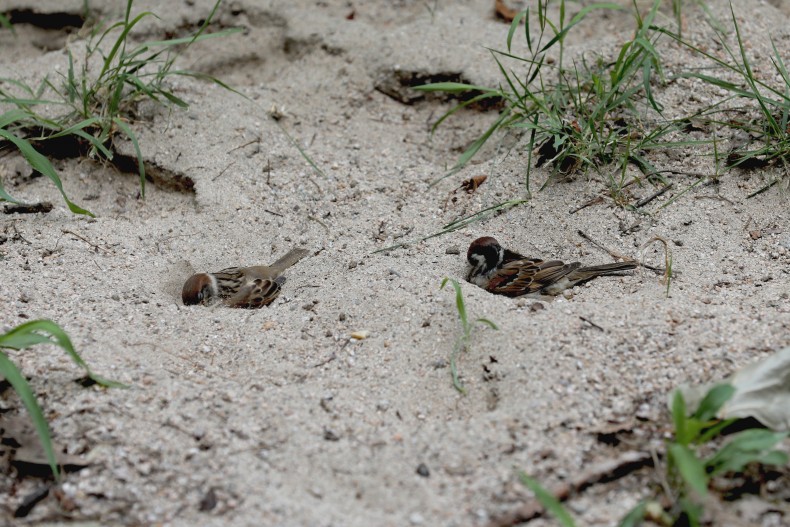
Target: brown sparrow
(503,272)
(248,287)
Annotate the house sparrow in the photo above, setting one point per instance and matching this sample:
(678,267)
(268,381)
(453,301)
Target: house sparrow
(248,287)
(504,272)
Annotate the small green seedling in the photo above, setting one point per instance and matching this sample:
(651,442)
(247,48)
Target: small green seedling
(462,342)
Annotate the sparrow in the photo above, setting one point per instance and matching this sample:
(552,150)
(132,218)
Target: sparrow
(504,272)
(248,287)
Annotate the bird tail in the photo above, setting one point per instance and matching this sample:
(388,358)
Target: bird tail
(606,269)
(290,258)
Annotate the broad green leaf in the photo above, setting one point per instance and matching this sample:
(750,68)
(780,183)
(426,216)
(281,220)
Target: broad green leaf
(713,401)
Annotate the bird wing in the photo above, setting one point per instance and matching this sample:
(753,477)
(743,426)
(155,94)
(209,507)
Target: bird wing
(255,293)
(528,275)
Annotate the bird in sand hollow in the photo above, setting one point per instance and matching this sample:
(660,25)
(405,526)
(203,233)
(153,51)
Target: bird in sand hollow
(504,272)
(248,287)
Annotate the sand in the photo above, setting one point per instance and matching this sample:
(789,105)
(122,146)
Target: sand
(277,416)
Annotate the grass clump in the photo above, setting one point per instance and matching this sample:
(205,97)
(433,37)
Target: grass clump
(464,338)
(770,131)
(578,117)
(94,100)
(25,336)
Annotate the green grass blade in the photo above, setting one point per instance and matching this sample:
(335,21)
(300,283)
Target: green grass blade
(690,468)
(679,418)
(11,373)
(514,26)
(5,196)
(548,501)
(459,301)
(635,516)
(451,87)
(42,164)
(47,332)
(578,18)
(487,323)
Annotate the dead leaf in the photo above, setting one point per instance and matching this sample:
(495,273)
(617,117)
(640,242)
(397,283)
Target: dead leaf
(503,11)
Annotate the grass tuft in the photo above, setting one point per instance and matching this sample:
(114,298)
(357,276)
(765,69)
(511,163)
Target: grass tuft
(96,107)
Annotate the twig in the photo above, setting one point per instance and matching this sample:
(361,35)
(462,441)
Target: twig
(609,470)
(223,171)
(248,143)
(326,361)
(593,201)
(617,255)
(272,212)
(66,231)
(593,324)
(644,201)
(321,223)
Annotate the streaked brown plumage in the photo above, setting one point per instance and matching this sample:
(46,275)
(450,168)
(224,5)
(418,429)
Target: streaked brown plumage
(247,287)
(504,272)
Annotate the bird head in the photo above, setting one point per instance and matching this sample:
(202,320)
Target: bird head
(198,289)
(484,255)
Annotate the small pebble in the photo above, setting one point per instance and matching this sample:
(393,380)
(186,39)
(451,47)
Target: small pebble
(422,470)
(537,306)
(452,250)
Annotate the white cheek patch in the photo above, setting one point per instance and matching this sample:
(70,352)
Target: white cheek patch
(212,286)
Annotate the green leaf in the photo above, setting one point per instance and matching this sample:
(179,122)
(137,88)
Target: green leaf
(47,332)
(690,468)
(713,401)
(42,164)
(548,500)
(746,447)
(634,517)
(11,373)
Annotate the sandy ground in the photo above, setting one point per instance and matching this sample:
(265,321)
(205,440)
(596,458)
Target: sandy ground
(274,416)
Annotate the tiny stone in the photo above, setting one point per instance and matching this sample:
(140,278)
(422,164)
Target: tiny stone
(331,435)
(452,250)
(537,306)
(341,317)
(116,296)
(756,234)
(416,518)
(422,470)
